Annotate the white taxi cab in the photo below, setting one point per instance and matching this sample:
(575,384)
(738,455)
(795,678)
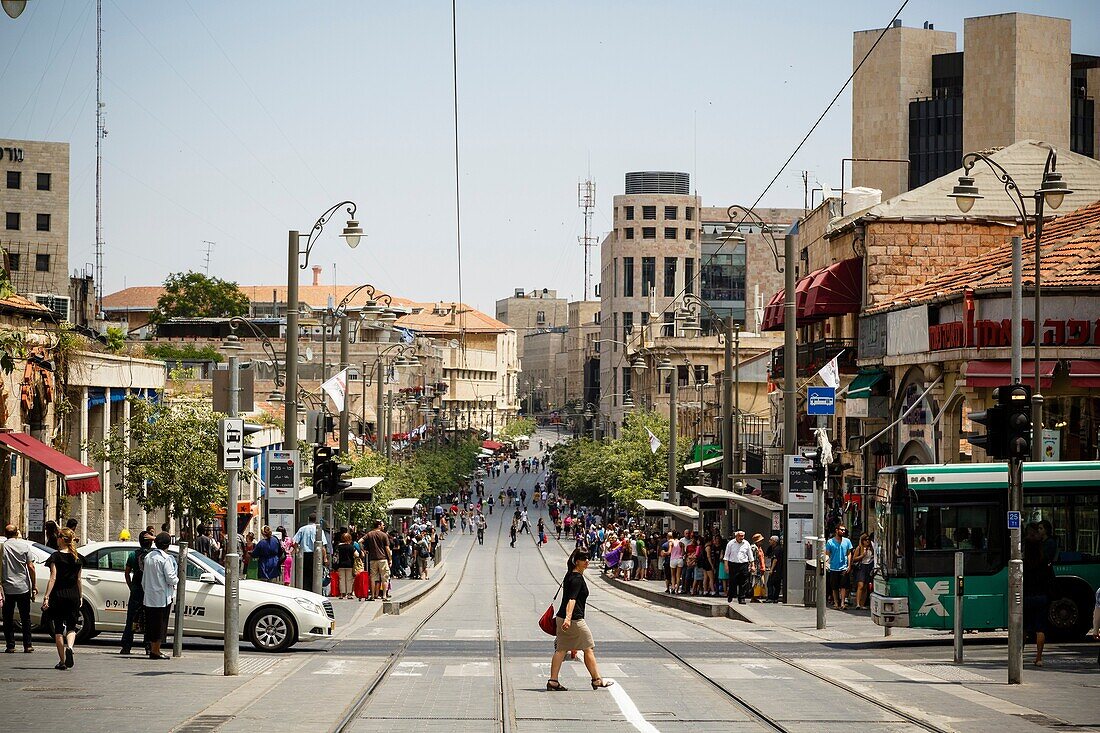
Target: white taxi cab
(273,617)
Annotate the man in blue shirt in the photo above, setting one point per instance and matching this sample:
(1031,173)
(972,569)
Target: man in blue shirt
(306,538)
(839,552)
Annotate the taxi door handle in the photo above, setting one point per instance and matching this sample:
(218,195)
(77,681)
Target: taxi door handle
(93,579)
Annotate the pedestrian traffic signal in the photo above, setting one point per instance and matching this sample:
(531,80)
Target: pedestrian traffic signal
(993,440)
(1015,402)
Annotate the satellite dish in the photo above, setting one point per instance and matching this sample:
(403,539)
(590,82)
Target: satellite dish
(309,353)
(453,343)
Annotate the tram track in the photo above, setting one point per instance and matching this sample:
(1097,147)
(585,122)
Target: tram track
(753,711)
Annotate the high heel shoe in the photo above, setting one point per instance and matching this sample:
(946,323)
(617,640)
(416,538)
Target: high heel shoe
(601,682)
(555,686)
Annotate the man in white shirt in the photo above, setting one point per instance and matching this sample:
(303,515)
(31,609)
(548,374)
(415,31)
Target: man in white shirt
(158,581)
(737,556)
(17,586)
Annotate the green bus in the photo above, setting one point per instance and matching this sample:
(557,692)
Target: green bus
(923,515)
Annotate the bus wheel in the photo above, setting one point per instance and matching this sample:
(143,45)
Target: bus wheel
(1070,614)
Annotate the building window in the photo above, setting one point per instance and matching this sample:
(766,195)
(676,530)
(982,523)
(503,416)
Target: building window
(540,318)
(689,234)
(12,220)
(627,376)
(649,275)
(701,373)
(13,261)
(628,233)
(670,232)
(42,222)
(689,275)
(15,179)
(628,277)
(42,263)
(670,277)
(628,326)
(43,181)
(689,213)
(649,212)
(645,318)
(628,213)
(596,317)
(649,232)
(669,328)
(614,330)
(670,212)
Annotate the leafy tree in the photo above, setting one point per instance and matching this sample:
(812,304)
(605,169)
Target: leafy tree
(175,354)
(172,459)
(195,295)
(116,339)
(519,426)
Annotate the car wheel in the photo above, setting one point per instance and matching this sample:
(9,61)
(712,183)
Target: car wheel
(85,625)
(271,630)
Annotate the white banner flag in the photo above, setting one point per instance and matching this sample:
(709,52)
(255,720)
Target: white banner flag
(337,388)
(654,443)
(830,373)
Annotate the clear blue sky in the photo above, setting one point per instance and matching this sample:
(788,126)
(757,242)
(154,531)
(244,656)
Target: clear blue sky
(235,122)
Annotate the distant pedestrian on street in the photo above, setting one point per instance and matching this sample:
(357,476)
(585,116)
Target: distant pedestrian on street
(64,595)
(737,556)
(269,557)
(572,630)
(838,550)
(345,566)
(1038,579)
(423,552)
(863,562)
(481,524)
(159,583)
(207,545)
(380,555)
(51,529)
(135,605)
(773,556)
(17,587)
(541,532)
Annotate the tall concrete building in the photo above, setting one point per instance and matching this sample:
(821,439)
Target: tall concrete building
(582,379)
(647,261)
(34,198)
(529,312)
(920,100)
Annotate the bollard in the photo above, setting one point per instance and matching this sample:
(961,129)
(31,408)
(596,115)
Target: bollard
(296,567)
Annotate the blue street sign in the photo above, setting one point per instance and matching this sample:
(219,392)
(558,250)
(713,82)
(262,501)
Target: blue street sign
(821,401)
(1013,520)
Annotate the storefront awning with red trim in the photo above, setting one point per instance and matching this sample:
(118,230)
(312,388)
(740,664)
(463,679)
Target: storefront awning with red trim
(997,373)
(836,290)
(491,445)
(1084,373)
(773,313)
(79,479)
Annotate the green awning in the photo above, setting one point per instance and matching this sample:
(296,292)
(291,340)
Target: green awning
(860,388)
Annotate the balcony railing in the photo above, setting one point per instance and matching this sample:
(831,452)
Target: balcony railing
(813,356)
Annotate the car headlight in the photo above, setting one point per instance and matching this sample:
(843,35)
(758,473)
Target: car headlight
(310,606)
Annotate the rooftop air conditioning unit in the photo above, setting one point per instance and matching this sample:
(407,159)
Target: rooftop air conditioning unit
(61,305)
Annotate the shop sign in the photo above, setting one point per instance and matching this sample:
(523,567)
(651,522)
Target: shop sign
(993,334)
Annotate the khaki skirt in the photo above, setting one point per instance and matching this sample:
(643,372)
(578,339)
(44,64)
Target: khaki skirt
(577,636)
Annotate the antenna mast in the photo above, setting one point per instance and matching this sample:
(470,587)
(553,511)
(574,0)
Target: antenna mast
(586,200)
(100,133)
(206,255)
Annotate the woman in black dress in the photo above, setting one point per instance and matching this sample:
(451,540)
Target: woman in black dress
(64,596)
(572,630)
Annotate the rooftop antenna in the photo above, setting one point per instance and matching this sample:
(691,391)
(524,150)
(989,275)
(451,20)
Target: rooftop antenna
(206,255)
(100,133)
(586,200)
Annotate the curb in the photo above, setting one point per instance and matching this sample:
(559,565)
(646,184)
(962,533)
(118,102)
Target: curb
(418,593)
(680,603)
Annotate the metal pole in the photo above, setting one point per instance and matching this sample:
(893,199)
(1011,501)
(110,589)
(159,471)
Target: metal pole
(959,605)
(672,410)
(736,416)
(379,422)
(819,529)
(389,425)
(727,413)
(345,416)
(1036,395)
(363,405)
(1015,577)
(231,611)
(790,353)
(319,548)
(290,407)
(181,596)
(1017,309)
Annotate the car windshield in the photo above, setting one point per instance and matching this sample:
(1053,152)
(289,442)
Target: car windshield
(197,564)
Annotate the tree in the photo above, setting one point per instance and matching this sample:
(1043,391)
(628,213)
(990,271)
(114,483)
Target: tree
(195,295)
(519,426)
(172,459)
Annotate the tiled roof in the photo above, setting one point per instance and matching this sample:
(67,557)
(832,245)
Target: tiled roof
(15,302)
(133,299)
(437,318)
(1024,160)
(1070,258)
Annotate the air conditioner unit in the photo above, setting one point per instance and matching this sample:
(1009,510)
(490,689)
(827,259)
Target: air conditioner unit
(59,304)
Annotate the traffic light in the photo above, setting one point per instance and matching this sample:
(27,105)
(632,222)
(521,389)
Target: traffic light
(1015,403)
(249,429)
(322,466)
(817,467)
(336,482)
(993,440)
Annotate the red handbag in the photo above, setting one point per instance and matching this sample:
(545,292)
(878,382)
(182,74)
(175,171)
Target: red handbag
(546,621)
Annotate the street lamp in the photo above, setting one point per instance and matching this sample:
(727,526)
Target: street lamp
(376,371)
(1051,193)
(298,259)
(269,347)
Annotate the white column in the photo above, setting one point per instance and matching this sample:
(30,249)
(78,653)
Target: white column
(84,456)
(126,442)
(105,425)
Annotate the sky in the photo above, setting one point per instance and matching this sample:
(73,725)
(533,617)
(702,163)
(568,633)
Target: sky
(234,122)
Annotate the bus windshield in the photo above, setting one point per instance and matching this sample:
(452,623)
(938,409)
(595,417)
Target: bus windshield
(890,530)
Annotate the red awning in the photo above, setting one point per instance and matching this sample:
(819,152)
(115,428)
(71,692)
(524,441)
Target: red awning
(1084,373)
(835,291)
(801,293)
(989,373)
(491,445)
(79,479)
(773,314)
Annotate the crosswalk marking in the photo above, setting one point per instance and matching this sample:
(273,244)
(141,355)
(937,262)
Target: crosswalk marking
(469,669)
(474,633)
(410,669)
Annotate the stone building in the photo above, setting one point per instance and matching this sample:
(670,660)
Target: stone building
(34,199)
(918,99)
(582,375)
(530,312)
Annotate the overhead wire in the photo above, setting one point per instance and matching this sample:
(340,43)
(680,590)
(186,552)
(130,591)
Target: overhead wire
(68,72)
(458,184)
(15,51)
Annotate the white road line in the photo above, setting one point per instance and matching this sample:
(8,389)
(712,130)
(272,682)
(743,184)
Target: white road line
(410,669)
(336,666)
(630,710)
(957,690)
(469,669)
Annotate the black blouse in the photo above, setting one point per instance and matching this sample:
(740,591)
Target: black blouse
(573,589)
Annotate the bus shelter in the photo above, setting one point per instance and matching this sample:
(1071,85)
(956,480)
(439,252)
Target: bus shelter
(679,517)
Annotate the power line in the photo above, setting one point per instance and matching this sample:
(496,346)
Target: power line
(458,185)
